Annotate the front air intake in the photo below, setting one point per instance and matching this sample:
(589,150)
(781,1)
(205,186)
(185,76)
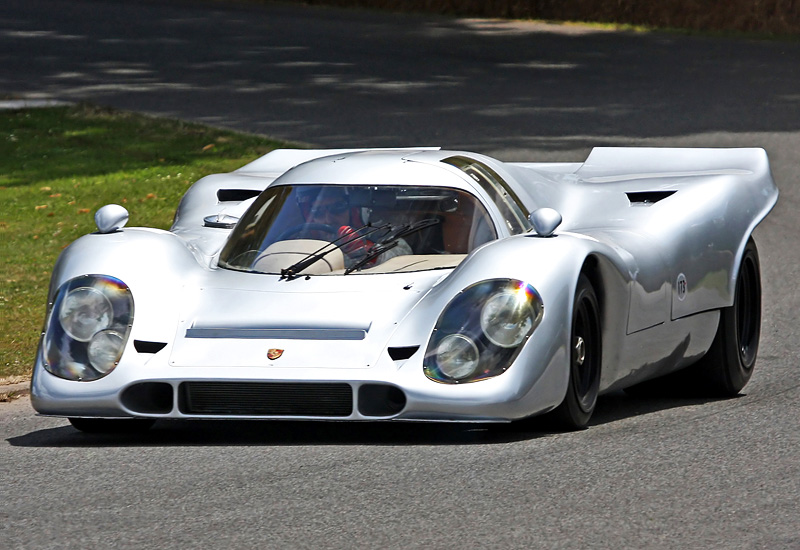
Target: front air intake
(148,398)
(380,400)
(266,399)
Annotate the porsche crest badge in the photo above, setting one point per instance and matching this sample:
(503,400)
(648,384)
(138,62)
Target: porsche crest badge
(274,353)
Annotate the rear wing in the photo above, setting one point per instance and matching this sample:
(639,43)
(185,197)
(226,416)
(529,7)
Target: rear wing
(617,164)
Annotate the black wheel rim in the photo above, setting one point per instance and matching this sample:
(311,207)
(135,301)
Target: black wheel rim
(748,308)
(586,354)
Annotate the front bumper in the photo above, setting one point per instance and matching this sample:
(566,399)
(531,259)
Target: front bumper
(391,390)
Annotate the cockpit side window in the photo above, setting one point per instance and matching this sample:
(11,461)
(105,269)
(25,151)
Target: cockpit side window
(514,212)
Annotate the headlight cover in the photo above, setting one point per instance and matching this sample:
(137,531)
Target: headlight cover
(88,327)
(481,331)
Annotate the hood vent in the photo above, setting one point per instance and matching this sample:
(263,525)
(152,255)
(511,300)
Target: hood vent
(277,333)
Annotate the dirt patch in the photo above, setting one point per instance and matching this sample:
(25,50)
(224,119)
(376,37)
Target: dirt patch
(762,16)
(14,387)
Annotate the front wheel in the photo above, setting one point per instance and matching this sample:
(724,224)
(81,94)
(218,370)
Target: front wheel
(585,360)
(727,366)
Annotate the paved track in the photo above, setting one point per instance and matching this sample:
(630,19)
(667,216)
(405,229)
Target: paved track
(661,473)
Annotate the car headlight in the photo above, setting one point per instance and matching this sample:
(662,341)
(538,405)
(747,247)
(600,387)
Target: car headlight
(88,327)
(457,356)
(481,331)
(507,317)
(84,312)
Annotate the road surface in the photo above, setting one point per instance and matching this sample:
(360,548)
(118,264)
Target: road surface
(655,473)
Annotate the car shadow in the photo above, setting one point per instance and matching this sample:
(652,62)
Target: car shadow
(168,433)
(620,405)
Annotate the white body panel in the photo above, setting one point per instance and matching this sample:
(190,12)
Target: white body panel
(641,220)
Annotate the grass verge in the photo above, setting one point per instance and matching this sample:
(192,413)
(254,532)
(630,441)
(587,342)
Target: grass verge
(59,165)
(760,19)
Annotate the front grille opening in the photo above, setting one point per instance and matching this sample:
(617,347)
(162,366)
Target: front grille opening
(148,398)
(266,399)
(380,400)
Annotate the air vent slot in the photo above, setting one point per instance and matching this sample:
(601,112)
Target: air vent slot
(399,354)
(236,195)
(143,346)
(646,198)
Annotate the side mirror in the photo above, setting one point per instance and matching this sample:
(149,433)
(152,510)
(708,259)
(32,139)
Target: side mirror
(545,221)
(110,218)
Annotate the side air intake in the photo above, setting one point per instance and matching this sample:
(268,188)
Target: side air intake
(646,198)
(236,195)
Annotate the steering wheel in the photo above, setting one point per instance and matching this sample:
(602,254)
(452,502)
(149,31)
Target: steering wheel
(306,230)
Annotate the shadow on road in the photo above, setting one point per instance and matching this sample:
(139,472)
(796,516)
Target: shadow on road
(168,433)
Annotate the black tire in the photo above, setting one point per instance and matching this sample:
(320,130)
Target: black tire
(112,426)
(585,361)
(728,365)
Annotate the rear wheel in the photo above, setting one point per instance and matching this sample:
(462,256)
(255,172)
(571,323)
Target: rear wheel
(112,426)
(585,360)
(729,363)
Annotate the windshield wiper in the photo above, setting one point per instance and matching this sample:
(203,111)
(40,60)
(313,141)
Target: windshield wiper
(391,240)
(293,271)
(376,251)
(407,229)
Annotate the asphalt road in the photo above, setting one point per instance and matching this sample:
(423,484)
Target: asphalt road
(655,473)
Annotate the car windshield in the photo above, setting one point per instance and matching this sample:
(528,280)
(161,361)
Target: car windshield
(312,229)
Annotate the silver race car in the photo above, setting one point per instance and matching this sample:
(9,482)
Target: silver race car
(412,284)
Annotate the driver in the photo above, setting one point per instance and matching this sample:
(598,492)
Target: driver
(331,206)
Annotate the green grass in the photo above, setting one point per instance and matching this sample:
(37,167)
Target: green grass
(744,19)
(59,165)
